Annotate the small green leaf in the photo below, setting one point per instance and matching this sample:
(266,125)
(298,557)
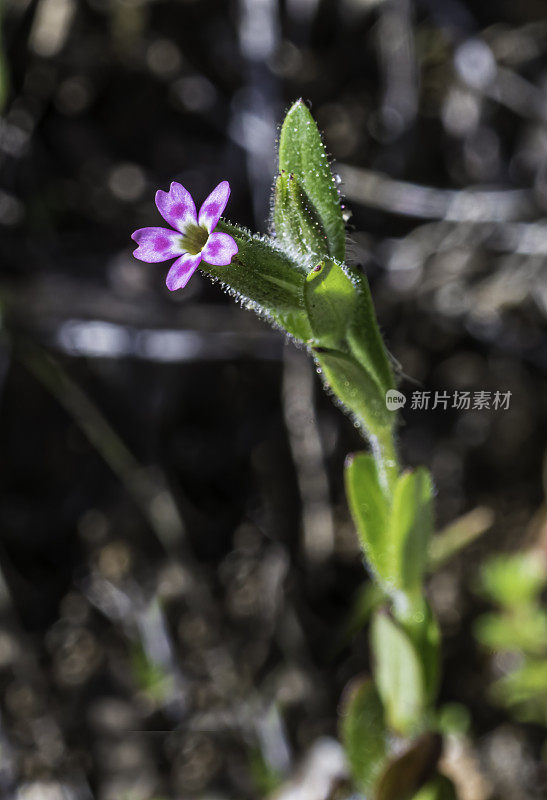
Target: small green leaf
(514,580)
(333,301)
(407,773)
(440,788)
(298,228)
(399,674)
(457,535)
(394,532)
(524,691)
(417,620)
(266,278)
(411,528)
(363,334)
(302,153)
(363,732)
(356,390)
(524,630)
(369,508)
(330,298)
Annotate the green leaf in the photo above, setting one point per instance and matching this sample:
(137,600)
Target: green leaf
(295,323)
(524,690)
(302,153)
(399,674)
(514,580)
(394,535)
(330,298)
(417,620)
(407,773)
(369,508)
(411,529)
(356,390)
(360,377)
(265,278)
(298,228)
(440,788)
(363,334)
(363,732)
(524,630)
(457,535)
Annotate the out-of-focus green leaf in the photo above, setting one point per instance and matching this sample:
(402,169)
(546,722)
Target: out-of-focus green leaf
(151,678)
(524,690)
(330,298)
(302,153)
(429,648)
(515,583)
(369,507)
(363,733)
(265,778)
(411,528)
(526,631)
(421,627)
(513,580)
(298,228)
(399,674)
(457,535)
(406,774)
(440,788)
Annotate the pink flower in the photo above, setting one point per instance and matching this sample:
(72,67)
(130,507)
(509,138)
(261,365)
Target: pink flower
(192,240)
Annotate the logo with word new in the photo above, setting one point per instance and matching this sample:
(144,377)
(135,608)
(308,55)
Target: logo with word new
(394,399)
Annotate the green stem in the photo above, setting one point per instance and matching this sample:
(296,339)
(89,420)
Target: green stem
(383,449)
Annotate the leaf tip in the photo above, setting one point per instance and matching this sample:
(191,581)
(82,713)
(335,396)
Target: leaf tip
(297,103)
(350,458)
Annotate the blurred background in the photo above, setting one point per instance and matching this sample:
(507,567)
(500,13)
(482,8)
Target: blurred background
(181,591)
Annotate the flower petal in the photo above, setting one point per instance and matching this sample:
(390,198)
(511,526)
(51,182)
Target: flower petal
(157,244)
(177,207)
(219,250)
(181,271)
(211,210)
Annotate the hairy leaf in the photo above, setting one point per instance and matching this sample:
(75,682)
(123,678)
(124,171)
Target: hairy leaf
(329,298)
(298,228)
(265,277)
(411,528)
(302,153)
(357,391)
(399,674)
(370,509)
(364,336)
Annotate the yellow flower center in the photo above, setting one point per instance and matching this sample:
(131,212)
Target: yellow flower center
(195,239)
